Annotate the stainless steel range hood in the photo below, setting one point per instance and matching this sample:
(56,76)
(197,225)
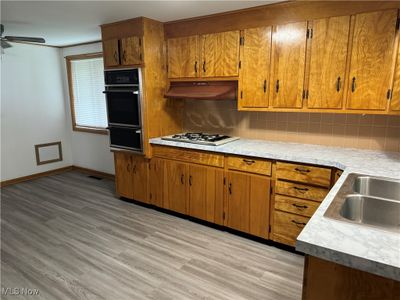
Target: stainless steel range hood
(203,90)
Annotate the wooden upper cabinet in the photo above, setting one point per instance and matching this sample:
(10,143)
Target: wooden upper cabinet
(111,53)
(131,50)
(183,57)
(255,67)
(395,101)
(371,60)
(220,52)
(329,42)
(288,62)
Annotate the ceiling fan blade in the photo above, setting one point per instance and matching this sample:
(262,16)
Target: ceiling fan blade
(24,39)
(5,45)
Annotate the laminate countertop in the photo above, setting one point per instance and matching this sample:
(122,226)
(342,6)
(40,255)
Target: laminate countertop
(361,247)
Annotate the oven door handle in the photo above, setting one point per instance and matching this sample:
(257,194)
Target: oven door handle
(121,91)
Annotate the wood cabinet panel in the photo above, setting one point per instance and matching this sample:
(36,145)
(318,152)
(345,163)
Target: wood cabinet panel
(156,182)
(288,63)
(395,101)
(287,227)
(220,53)
(183,57)
(259,206)
(329,44)
(238,206)
(300,190)
(296,206)
(251,165)
(371,60)
(255,67)
(140,174)
(303,173)
(192,156)
(175,177)
(111,53)
(206,193)
(123,174)
(131,50)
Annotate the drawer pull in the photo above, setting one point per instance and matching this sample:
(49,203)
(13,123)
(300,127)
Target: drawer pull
(303,170)
(299,224)
(300,206)
(230,189)
(190,180)
(301,189)
(248,161)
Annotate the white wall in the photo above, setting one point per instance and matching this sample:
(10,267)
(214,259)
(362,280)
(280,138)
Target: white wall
(32,109)
(89,150)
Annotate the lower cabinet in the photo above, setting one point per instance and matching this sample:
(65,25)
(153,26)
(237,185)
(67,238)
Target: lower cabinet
(131,176)
(175,187)
(248,200)
(156,181)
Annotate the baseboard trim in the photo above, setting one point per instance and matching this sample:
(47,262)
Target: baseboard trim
(94,172)
(55,172)
(35,176)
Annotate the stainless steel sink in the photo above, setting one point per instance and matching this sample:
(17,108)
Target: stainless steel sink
(372,211)
(377,187)
(368,201)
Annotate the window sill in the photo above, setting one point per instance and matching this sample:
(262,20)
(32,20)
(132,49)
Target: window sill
(90,130)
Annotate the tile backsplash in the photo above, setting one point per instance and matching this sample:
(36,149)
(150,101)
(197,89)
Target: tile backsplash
(355,131)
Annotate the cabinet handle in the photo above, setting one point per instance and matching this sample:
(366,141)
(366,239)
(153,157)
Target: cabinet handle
(195,67)
(353,84)
(128,167)
(300,206)
(123,56)
(248,161)
(204,66)
(182,177)
(300,189)
(265,86)
(338,84)
(134,169)
(116,56)
(230,188)
(190,180)
(299,224)
(302,170)
(277,86)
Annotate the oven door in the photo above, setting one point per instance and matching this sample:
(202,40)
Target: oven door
(126,138)
(123,107)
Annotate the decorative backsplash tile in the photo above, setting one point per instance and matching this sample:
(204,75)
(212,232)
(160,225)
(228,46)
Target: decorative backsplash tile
(355,131)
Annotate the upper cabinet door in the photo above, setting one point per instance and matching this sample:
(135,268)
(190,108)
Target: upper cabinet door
(288,61)
(371,60)
(255,67)
(329,43)
(110,53)
(183,61)
(220,54)
(131,50)
(395,101)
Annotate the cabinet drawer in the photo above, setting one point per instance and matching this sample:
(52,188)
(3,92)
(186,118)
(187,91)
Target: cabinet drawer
(192,156)
(297,206)
(303,173)
(300,190)
(287,227)
(251,165)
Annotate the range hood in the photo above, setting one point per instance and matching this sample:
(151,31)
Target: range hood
(203,90)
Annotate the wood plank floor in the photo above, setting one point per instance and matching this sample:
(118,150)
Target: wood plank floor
(70,237)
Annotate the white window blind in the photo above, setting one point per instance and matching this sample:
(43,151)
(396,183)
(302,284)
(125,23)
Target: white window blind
(87,86)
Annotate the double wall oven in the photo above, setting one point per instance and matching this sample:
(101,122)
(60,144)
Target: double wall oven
(123,97)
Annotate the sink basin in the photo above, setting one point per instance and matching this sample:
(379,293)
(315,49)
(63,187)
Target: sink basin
(368,201)
(373,211)
(377,187)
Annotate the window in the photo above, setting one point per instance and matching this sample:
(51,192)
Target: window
(86,85)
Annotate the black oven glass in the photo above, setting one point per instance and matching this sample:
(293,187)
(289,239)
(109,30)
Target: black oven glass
(126,138)
(121,77)
(123,107)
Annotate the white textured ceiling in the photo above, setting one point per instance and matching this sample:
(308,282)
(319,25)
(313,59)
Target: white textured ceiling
(69,22)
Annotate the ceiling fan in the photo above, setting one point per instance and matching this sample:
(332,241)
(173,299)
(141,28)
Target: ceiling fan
(6,40)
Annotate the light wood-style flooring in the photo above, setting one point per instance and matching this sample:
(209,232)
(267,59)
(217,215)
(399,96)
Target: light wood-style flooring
(70,237)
